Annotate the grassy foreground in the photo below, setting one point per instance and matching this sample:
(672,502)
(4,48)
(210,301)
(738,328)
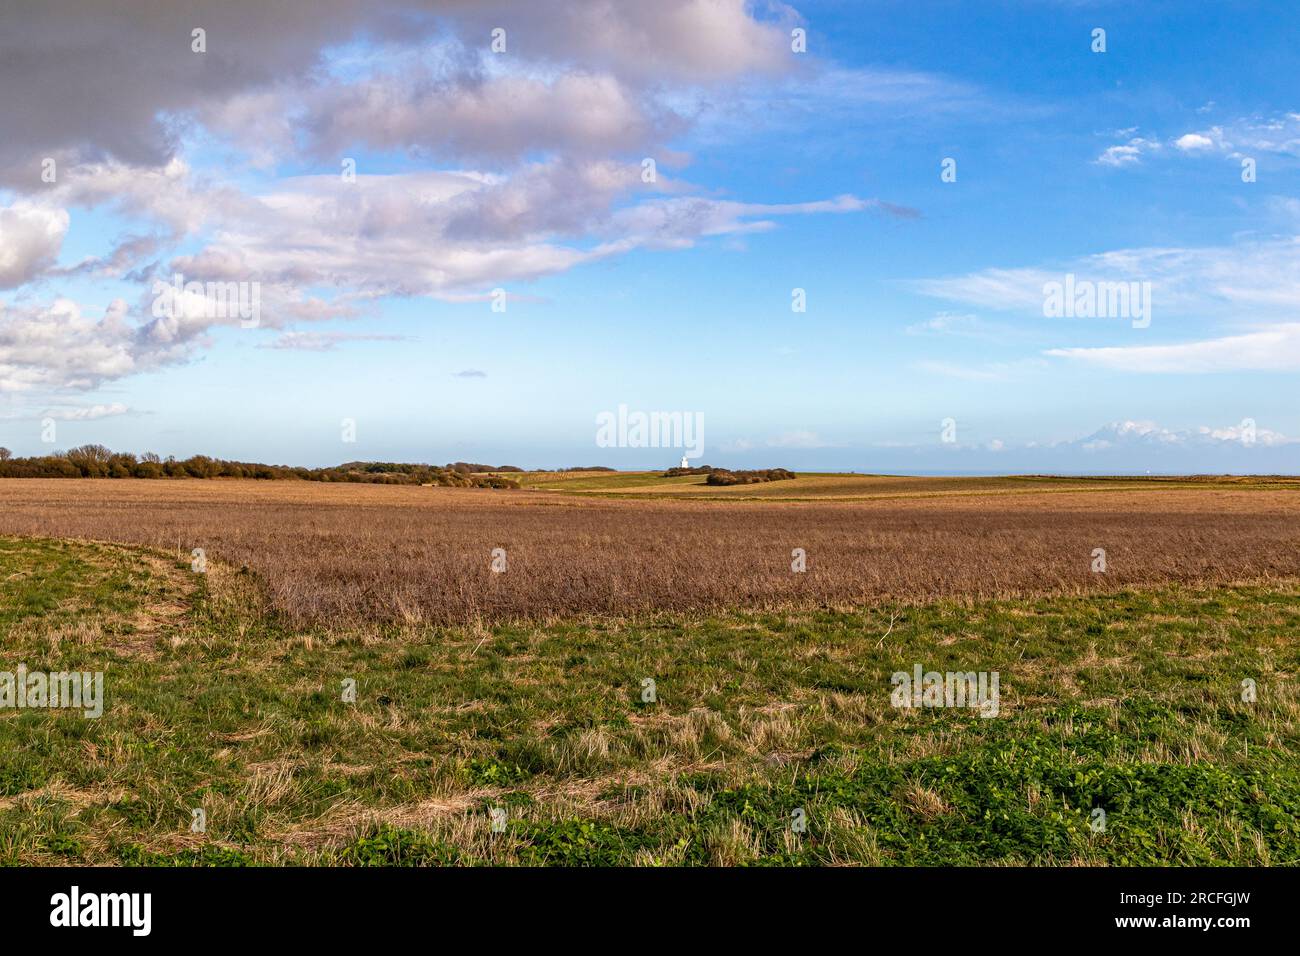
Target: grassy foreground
(1127,702)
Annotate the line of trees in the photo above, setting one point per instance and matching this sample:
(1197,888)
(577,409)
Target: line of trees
(725,476)
(97,461)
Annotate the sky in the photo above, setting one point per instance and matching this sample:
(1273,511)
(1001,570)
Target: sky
(827,233)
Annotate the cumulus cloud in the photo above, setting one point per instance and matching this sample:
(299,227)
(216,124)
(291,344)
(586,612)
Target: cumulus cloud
(1190,142)
(498,168)
(55,56)
(30,239)
(86,81)
(1148,434)
(494,119)
(1247,433)
(695,41)
(57,346)
(446,234)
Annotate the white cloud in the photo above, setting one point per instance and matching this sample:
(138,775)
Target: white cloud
(30,239)
(947,323)
(56,347)
(497,118)
(1259,279)
(1127,433)
(1191,142)
(1147,434)
(54,59)
(444,234)
(451,235)
(544,144)
(1246,433)
(1210,281)
(797,439)
(1272,350)
(85,413)
(325,341)
(1128,153)
(1248,136)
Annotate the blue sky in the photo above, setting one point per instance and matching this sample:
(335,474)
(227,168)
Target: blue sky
(776,170)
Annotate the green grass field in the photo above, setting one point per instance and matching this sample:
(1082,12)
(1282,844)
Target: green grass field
(1129,702)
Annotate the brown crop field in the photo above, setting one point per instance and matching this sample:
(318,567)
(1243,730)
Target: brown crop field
(647,680)
(347,554)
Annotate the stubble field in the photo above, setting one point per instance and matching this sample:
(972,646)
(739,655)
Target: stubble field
(503,717)
(350,554)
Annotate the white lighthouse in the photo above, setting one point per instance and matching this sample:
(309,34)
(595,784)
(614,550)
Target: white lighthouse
(685,463)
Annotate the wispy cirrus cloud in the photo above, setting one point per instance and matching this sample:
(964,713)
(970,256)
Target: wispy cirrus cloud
(85,413)
(1259,275)
(1275,349)
(326,341)
(1253,284)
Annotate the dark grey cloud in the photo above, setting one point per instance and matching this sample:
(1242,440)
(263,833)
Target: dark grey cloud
(87,80)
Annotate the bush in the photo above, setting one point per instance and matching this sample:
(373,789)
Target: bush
(720,476)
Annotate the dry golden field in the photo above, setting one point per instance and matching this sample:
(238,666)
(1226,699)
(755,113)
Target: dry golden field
(854,487)
(351,553)
(351,684)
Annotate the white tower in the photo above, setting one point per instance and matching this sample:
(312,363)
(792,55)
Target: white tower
(685,463)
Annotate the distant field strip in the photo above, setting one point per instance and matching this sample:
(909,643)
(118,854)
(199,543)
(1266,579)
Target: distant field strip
(847,487)
(351,553)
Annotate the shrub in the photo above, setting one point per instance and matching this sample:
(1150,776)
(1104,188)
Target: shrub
(720,476)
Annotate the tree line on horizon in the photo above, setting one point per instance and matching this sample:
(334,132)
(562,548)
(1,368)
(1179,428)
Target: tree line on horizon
(98,461)
(726,476)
